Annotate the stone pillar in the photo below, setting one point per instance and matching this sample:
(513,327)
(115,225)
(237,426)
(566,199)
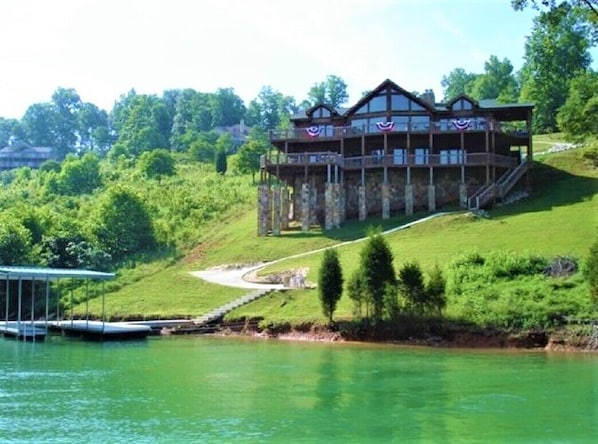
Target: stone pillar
(336,217)
(363,209)
(313,205)
(305,207)
(463,195)
(263,211)
(385,201)
(431,198)
(343,203)
(276,210)
(285,207)
(332,217)
(409,199)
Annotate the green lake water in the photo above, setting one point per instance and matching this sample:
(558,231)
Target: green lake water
(223,390)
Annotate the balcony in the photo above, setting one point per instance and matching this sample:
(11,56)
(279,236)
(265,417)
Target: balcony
(328,132)
(314,159)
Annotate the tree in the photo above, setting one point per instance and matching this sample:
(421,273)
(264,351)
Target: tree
(269,109)
(332,91)
(227,108)
(456,83)
(11,130)
(220,161)
(142,123)
(38,123)
(411,286)
(590,271)
(556,51)
(330,282)
(357,292)
(94,131)
(578,117)
(79,176)
(436,290)
(123,224)
(590,5)
(15,242)
(157,163)
(376,265)
(66,105)
(203,148)
(249,155)
(497,82)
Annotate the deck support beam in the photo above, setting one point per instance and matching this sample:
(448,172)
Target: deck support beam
(463,195)
(305,207)
(408,199)
(385,200)
(363,209)
(263,209)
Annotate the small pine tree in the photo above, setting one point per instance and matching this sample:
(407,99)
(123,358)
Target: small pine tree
(436,289)
(357,292)
(411,286)
(220,162)
(378,271)
(330,282)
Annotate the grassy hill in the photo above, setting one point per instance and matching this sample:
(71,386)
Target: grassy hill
(559,218)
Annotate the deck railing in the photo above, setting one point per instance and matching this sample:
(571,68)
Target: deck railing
(389,160)
(327,132)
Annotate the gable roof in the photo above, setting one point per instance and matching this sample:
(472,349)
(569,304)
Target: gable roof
(463,96)
(393,86)
(309,111)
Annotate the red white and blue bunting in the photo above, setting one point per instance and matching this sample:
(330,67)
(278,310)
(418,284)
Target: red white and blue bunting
(313,131)
(385,126)
(461,124)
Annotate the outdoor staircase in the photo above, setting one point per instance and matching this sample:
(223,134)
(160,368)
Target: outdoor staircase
(220,312)
(486,194)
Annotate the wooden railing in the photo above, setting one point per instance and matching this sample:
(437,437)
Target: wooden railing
(389,160)
(338,132)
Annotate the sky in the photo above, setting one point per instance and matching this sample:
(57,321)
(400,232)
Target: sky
(105,48)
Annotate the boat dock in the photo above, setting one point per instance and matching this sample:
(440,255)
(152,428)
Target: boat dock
(99,330)
(22,330)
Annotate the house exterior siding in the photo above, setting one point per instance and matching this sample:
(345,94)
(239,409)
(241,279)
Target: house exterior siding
(393,152)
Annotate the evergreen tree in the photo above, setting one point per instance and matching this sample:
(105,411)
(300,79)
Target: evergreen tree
(376,265)
(220,161)
(330,282)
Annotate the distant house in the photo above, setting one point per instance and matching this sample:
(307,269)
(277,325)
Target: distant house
(390,152)
(20,154)
(238,131)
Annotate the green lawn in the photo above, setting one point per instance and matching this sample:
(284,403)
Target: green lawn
(561,217)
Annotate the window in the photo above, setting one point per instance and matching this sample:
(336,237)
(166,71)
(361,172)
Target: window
(453,156)
(461,105)
(399,103)
(399,156)
(359,125)
(401,123)
(420,123)
(321,112)
(378,104)
(421,156)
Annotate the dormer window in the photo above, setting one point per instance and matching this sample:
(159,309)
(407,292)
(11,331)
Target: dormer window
(462,105)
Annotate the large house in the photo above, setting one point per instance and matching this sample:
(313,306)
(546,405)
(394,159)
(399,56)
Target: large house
(392,152)
(20,154)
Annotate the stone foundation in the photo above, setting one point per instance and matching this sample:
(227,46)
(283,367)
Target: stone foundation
(408,199)
(305,207)
(431,198)
(263,211)
(363,209)
(276,210)
(385,191)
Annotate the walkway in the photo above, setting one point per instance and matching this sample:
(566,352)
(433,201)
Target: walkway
(236,276)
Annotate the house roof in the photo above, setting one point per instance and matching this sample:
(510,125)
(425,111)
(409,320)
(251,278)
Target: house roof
(508,111)
(383,86)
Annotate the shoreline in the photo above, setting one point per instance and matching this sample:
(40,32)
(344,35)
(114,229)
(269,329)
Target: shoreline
(561,340)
